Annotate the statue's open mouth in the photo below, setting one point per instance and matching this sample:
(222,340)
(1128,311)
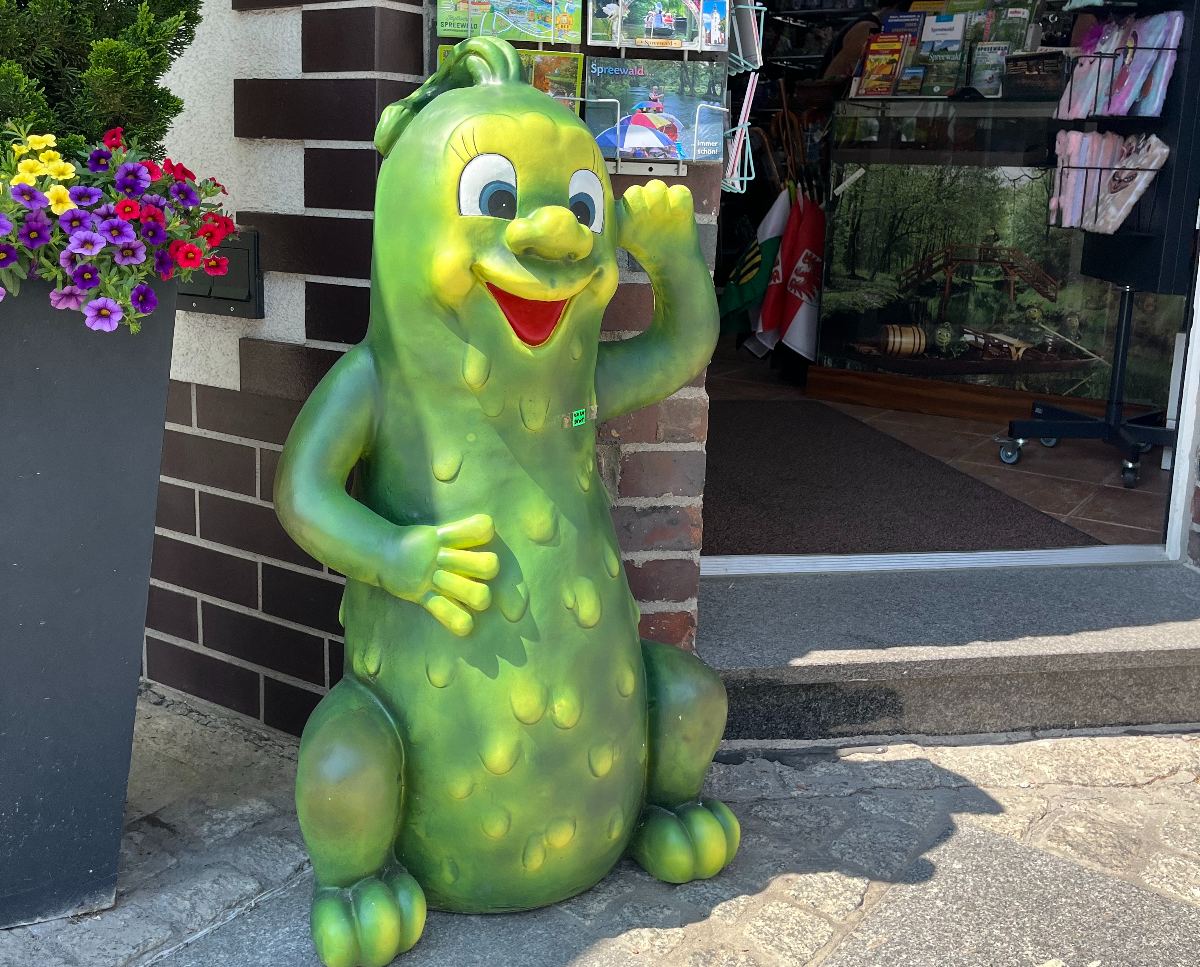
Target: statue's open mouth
(533,320)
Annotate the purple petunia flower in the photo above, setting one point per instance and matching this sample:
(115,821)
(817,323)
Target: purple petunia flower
(8,255)
(6,224)
(98,160)
(132,179)
(76,220)
(86,243)
(68,297)
(35,231)
(102,315)
(153,233)
(164,265)
(67,259)
(85,196)
(105,212)
(29,196)
(130,253)
(143,298)
(184,194)
(158,201)
(3,293)
(116,231)
(86,276)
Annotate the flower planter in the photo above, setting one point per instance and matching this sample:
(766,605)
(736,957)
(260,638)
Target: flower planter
(81,429)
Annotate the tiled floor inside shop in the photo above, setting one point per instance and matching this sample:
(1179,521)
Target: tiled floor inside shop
(1078,482)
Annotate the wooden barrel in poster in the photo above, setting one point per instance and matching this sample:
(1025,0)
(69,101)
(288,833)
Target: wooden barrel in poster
(902,341)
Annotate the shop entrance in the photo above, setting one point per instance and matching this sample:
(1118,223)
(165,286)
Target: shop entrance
(949,268)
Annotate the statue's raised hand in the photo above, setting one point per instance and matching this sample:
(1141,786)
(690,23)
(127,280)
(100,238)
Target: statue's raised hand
(656,223)
(432,566)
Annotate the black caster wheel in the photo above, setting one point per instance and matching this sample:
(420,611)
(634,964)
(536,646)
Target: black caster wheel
(1048,441)
(1129,477)
(1010,453)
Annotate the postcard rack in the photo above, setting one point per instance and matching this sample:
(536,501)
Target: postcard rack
(745,37)
(1111,181)
(1105,81)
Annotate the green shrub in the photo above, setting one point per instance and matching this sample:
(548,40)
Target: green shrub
(76,68)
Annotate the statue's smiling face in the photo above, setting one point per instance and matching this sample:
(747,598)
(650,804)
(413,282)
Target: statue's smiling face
(530,222)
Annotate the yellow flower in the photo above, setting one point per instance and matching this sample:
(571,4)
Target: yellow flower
(19,149)
(39,142)
(60,199)
(49,157)
(61,170)
(23,180)
(32,167)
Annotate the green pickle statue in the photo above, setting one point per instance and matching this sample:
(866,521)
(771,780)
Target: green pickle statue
(501,736)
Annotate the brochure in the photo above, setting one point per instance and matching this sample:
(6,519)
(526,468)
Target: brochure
(882,64)
(673,24)
(941,53)
(666,110)
(559,75)
(987,68)
(544,21)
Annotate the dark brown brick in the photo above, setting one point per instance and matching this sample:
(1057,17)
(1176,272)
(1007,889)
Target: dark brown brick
(337,662)
(179,403)
(286,707)
(275,4)
(671,628)
(336,313)
(207,571)
(307,600)
(176,510)
(202,460)
(630,309)
(339,109)
(263,642)
(268,462)
(676,420)
(250,527)
(362,39)
(640,426)
(341,177)
(172,613)
(257,417)
(283,370)
(287,243)
(661,528)
(654,473)
(670,579)
(197,674)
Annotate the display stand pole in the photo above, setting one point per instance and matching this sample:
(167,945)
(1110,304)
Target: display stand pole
(1053,423)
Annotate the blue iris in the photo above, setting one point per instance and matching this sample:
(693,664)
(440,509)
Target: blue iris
(499,199)
(583,207)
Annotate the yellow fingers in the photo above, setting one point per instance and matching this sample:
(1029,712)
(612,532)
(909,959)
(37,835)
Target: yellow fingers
(469,532)
(478,596)
(456,619)
(473,564)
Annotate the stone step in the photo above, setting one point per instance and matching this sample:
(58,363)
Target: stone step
(954,652)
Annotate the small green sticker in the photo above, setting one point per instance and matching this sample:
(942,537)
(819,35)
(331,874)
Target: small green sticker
(579,417)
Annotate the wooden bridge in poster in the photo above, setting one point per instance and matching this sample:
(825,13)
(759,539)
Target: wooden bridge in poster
(1015,264)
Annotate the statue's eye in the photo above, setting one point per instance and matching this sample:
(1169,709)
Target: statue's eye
(488,186)
(586,199)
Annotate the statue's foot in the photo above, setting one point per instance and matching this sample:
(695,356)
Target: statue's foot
(690,842)
(370,923)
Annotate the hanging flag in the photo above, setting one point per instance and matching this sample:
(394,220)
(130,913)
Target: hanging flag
(741,299)
(791,307)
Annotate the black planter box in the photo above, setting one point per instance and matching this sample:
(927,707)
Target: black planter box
(81,427)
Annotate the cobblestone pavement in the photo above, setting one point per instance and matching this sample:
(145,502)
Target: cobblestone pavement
(1064,850)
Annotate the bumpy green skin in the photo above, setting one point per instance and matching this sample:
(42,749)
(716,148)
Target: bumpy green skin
(501,736)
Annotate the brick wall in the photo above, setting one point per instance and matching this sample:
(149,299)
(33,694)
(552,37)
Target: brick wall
(238,614)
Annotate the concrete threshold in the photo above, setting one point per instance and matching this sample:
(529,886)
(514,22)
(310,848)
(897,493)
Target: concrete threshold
(954,652)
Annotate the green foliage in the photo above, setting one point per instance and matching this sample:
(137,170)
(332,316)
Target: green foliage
(76,68)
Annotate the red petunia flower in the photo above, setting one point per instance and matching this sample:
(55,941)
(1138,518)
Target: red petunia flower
(188,256)
(212,233)
(155,170)
(128,209)
(151,213)
(114,138)
(178,171)
(219,185)
(216,265)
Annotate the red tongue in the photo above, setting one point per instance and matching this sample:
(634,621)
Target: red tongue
(533,320)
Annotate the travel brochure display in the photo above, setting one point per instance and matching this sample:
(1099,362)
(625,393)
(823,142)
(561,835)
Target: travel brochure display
(935,48)
(675,24)
(543,21)
(558,74)
(668,110)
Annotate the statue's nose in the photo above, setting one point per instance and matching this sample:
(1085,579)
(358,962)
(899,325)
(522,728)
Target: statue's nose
(552,233)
